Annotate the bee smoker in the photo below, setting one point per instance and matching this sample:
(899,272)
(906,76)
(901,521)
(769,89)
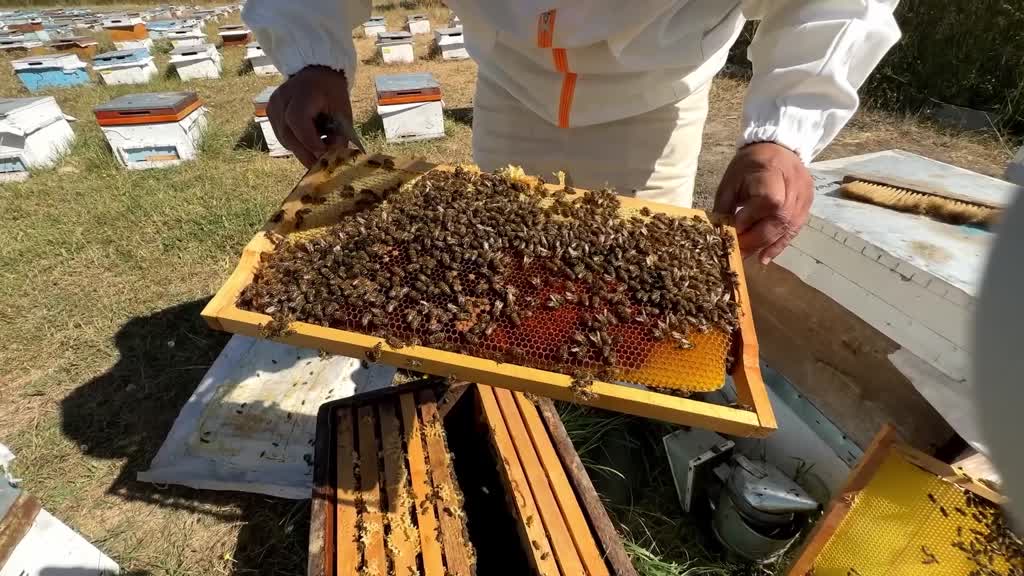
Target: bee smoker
(753,509)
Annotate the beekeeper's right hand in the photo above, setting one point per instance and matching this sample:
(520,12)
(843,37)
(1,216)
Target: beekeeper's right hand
(296,104)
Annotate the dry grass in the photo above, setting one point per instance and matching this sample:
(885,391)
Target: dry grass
(103,273)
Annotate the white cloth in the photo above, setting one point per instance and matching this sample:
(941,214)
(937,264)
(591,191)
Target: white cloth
(654,154)
(583,62)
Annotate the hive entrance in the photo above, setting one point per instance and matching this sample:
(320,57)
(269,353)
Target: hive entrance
(493,267)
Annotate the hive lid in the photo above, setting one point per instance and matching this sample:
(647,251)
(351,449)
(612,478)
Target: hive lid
(10,105)
(264,96)
(457,31)
(147,108)
(398,36)
(415,17)
(76,40)
(233,28)
(406,88)
(65,61)
(129,55)
(189,50)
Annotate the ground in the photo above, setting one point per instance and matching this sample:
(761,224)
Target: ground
(103,273)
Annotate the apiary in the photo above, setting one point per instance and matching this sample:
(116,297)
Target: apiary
(50,71)
(234,35)
(135,66)
(559,334)
(128,32)
(417,24)
(410,106)
(83,46)
(152,130)
(405,484)
(260,102)
(33,134)
(374,26)
(450,44)
(395,48)
(903,513)
(196,62)
(185,36)
(259,61)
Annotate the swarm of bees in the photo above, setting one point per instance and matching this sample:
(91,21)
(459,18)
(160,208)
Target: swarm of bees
(994,549)
(499,268)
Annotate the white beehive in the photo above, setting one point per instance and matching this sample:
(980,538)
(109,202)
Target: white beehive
(258,59)
(234,35)
(125,66)
(374,26)
(196,62)
(395,48)
(274,146)
(33,134)
(450,43)
(186,36)
(410,107)
(153,130)
(417,24)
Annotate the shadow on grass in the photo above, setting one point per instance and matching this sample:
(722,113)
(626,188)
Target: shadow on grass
(251,139)
(125,414)
(244,68)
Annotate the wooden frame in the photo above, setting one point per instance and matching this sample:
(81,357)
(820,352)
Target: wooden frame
(752,416)
(885,442)
(560,533)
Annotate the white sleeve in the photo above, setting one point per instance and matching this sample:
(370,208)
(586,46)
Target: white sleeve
(300,33)
(809,58)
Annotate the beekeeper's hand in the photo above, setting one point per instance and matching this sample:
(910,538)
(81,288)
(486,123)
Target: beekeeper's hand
(295,105)
(769,191)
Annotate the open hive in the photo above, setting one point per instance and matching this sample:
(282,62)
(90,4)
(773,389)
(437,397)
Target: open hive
(391,497)
(506,280)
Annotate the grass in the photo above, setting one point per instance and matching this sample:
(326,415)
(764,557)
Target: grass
(103,273)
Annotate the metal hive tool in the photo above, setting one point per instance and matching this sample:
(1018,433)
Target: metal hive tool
(338,187)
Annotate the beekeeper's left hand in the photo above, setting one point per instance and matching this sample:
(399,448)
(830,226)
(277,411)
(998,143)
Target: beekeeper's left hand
(769,191)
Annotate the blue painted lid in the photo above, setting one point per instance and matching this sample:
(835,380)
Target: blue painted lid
(130,55)
(402,82)
(264,96)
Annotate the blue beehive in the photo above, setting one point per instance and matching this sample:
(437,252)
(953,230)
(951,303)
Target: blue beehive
(56,70)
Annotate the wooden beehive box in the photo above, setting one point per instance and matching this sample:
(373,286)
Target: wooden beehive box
(342,169)
(393,496)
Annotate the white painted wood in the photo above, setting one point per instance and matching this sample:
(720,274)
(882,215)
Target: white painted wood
(251,422)
(373,29)
(139,72)
(413,121)
(132,44)
(417,24)
(451,44)
(50,548)
(34,130)
(396,52)
(274,146)
(201,62)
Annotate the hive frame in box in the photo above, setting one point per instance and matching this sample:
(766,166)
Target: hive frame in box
(222,313)
(522,436)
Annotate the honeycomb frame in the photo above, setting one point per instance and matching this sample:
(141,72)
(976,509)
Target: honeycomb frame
(751,416)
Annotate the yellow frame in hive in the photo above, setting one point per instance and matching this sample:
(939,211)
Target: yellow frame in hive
(896,516)
(752,416)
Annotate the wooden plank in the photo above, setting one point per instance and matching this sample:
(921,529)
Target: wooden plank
(550,512)
(16,523)
(535,540)
(400,543)
(750,388)
(371,532)
(841,503)
(614,397)
(592,504)
(839,361)
(450,397)
(568,504)
(453,537)
(426,516)
(346,531)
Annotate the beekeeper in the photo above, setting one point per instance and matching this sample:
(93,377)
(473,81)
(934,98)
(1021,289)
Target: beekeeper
(616,92)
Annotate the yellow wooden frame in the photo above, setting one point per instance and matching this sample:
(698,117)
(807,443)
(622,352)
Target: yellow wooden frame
(752,416)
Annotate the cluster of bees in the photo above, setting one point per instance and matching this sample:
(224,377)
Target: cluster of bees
(994,549)
(490,265)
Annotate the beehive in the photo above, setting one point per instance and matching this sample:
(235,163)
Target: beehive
(134,66)
(391,498)
(417,24)
(151,130)
(196,62)
(702,368)
(259,61)
(374,27)
(260,102)
(395,48)
(234,35)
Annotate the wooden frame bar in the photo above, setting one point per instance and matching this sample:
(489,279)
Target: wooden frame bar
(753,415)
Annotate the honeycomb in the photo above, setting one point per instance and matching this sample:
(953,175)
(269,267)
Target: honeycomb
(541,339)
(908,521)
